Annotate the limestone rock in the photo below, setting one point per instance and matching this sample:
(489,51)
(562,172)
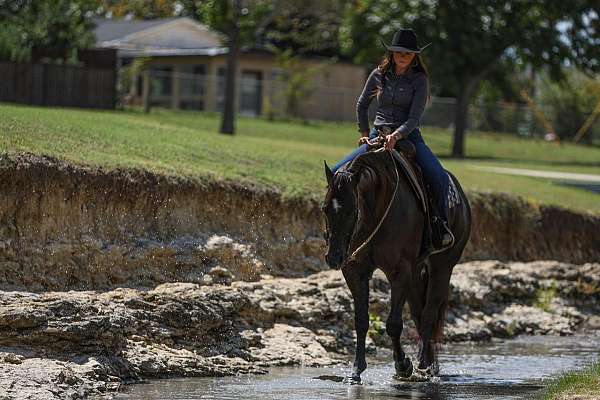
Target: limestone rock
(241,260)
(79,343)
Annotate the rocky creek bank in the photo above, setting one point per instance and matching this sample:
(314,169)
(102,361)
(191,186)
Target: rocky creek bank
(76,344)
(109,277)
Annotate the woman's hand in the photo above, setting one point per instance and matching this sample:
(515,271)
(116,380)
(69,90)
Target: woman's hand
(363,140)
(390,141)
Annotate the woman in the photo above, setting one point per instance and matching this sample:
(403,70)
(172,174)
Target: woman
(401,85)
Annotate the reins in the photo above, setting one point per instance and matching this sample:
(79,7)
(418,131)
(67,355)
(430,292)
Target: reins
(387,210)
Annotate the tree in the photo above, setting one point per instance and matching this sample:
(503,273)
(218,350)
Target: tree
(305,27)
(471,37)
(57,24)
(141,9)
(238,20)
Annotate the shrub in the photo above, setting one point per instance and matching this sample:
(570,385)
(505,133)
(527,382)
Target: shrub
(570,102)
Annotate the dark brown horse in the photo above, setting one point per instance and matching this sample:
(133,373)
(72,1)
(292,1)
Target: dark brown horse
(372,208)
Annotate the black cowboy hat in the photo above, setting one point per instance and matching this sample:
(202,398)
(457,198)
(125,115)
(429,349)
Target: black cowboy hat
(404,40)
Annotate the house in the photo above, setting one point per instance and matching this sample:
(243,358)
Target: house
(185,65)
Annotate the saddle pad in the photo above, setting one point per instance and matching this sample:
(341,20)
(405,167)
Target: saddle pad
(453,196)
(412,178)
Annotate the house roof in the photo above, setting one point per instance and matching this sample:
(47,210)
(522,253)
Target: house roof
(181,36)
(159,37)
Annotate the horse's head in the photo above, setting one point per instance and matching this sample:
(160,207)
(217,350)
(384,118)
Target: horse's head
(341,212)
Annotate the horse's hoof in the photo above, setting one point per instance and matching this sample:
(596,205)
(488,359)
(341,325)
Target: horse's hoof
(353,380)
(404,369)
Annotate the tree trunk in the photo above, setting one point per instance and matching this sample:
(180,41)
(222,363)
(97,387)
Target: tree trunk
(460,125)
(228,117)
(461,115)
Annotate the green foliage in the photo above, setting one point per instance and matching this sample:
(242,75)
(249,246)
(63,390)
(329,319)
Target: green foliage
(376,328)
(142,9)
(219,16)
(545,296)
(584,383)
(127,75)
(296,80)
(470,37)
(511,328)
(309,26)
(11,47)
(570,102)
(59,24)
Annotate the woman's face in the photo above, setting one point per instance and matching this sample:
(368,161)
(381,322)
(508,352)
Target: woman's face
(403,59)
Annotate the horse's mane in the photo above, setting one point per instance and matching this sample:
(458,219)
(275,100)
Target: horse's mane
(378,162)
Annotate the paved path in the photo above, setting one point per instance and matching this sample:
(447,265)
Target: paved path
(541,174)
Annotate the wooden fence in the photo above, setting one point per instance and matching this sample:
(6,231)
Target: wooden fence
(57,85)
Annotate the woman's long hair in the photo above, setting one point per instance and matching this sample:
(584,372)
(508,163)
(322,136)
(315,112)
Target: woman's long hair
(387,62)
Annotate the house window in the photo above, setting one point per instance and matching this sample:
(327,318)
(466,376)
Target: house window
(251,93)
(162,80)
(221,82)
(193,80)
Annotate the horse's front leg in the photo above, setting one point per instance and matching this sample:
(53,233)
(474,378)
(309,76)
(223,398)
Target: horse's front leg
(358,283)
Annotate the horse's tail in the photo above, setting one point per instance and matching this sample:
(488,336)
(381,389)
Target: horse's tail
(438,330)
(437,335)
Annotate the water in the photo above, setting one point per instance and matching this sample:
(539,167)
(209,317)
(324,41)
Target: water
(507,369)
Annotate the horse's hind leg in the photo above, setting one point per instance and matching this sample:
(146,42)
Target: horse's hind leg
(394,327)
(358,283)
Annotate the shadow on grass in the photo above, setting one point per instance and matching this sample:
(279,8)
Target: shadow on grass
(572,163)
(590,187)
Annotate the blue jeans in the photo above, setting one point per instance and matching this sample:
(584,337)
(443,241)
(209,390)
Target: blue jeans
(433,173)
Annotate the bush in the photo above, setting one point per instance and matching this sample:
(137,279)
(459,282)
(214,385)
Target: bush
(570,102)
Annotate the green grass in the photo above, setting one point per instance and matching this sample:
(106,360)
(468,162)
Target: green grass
(545,296)
(282,155)
(583,383)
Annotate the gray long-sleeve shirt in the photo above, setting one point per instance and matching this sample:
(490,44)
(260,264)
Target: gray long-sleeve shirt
(401,102)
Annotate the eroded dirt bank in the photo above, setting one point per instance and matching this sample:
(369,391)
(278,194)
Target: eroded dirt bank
(65,227)
(69,345)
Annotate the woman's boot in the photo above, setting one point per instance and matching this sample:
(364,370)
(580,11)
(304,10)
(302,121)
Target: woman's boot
(443,238)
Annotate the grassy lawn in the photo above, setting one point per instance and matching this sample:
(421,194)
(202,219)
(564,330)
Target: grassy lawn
(574,384)
(282,155)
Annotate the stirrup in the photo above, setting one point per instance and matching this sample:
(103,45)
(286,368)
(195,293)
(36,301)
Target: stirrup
(447,239)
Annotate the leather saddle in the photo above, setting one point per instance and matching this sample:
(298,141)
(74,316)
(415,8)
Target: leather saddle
(405,157)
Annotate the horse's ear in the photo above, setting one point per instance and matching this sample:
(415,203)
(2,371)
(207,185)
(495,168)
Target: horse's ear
(328,174)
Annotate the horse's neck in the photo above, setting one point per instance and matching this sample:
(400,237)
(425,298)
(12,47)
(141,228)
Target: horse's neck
(376,196)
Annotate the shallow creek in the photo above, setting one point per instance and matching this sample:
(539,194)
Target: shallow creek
(500,369)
